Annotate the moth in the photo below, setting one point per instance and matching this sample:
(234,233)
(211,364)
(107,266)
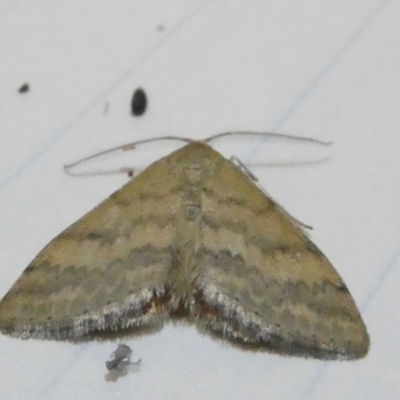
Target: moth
(192,236)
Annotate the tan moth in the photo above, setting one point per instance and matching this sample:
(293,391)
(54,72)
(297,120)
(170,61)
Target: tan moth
(192,235)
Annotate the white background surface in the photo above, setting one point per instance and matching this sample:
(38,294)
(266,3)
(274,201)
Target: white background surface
(328,70)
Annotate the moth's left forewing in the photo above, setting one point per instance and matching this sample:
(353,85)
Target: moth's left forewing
(108,270)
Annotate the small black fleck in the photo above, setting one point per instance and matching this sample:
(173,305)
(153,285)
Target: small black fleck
(138,103)
(50,317)
(130,173)
(24,88)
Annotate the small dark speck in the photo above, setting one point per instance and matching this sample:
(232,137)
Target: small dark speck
(106,107)
(138,103)
(24,88)
(130,173)
(50,317)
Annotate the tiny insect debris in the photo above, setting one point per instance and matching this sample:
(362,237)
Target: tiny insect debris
(191,235)
(24,88)
(121,358)
(106,107)
(138,103)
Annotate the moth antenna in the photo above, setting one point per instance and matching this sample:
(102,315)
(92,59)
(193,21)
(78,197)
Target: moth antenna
(124,147)
(133,145)
(130,171)
(267,134)
(289,163)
